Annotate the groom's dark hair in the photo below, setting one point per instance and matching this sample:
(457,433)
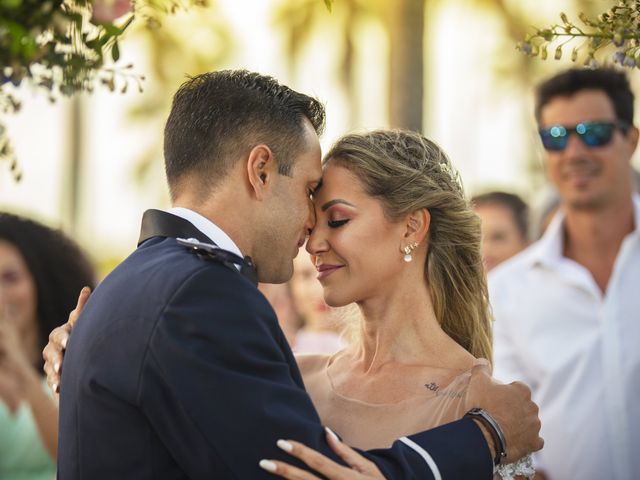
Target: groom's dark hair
(219,116)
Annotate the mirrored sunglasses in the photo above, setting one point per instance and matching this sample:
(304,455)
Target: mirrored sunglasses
(592,134)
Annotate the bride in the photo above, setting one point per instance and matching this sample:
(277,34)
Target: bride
(395,235)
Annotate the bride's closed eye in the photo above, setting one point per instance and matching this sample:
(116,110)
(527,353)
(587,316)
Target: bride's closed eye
(337,223)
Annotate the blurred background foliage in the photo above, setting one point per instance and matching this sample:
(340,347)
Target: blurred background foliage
(170,55)
(63,47)
(611,35)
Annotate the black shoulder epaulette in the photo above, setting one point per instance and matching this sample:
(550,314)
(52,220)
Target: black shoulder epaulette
(210,251)
(229,259)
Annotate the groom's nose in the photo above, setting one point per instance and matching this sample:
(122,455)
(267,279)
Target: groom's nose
(311,219)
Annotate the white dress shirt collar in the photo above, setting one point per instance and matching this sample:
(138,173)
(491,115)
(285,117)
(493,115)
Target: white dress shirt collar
(206,226)
(548,250)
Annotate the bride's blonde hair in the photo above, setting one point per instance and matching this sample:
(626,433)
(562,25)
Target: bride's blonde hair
(407,172)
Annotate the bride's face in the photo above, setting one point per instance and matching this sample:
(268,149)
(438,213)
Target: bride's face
(355,248)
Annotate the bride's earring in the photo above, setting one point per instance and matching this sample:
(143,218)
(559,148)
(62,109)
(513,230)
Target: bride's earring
(407,252)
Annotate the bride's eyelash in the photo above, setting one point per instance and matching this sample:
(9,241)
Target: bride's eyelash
(337,223)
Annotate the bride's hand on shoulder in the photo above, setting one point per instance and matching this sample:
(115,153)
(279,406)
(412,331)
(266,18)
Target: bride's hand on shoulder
(511,406)
(53,352)
(361,468)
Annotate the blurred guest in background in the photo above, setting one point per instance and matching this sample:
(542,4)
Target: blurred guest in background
(279,297)
(504,221)
(41,272)
(547,206)
(319,332)
(308,323)
(566,309)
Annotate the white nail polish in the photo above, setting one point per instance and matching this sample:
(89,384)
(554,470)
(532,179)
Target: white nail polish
(284,445)
(56,367)
(64,343)
(54,387)
(332,434)
(268,465)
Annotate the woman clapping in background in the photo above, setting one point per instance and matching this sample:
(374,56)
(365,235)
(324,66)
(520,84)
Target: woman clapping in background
(41,272)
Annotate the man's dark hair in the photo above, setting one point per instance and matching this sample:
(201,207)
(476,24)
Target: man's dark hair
(512,202)
(612,82)
(216,117)
(57,265)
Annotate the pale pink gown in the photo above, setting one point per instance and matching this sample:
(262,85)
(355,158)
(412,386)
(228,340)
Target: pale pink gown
(368,426)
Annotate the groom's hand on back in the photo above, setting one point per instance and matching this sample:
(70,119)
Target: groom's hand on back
(511,406)
(53,352)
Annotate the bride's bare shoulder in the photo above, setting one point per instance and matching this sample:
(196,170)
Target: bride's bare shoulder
(311,363)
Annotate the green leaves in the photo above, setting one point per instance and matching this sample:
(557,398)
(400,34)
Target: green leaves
(112,30)
(616,29)
(62,48)
(10,4)
(115,52)
(558,54)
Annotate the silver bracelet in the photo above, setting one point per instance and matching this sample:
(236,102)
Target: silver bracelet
(494,430)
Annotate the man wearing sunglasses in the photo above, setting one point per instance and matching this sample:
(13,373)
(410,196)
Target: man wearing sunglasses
(567,309)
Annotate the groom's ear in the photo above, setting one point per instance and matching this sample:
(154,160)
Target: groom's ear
(261,169)
(417,225)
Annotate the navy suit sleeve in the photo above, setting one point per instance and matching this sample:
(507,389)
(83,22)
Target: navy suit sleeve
(219,390)
(456,450)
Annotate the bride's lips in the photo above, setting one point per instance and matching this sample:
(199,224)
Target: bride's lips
(325,270)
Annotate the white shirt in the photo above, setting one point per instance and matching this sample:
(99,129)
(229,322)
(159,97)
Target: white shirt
(206,226)
(578,350)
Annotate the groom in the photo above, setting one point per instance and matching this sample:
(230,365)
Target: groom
(179,369)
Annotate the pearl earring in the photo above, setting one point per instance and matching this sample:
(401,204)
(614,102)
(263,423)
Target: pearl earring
(407,252)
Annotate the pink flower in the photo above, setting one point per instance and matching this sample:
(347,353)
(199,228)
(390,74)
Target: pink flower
(106,11)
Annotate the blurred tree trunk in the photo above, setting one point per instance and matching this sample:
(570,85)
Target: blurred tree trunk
(406,82)
(348,78)
(75,166)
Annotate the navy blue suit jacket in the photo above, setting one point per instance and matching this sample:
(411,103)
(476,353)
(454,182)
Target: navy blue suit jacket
(178,369)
